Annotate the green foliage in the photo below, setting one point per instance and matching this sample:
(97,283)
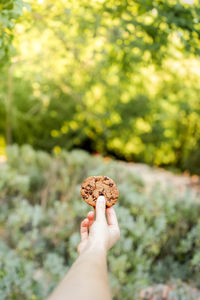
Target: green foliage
(119,78)
(40,214)
(16,276)
(10,10)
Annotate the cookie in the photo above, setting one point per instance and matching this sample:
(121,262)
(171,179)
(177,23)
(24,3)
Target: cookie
(95,186)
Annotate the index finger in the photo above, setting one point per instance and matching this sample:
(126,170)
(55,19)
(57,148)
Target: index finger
(111,216)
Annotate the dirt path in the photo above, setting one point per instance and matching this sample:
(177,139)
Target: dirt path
(164,178)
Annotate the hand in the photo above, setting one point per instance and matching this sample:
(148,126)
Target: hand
(102,234)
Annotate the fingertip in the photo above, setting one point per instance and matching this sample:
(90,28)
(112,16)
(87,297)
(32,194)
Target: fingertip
(85,222)
(111,216)
(101,199)
(90,215)
(101,203)
(110,210)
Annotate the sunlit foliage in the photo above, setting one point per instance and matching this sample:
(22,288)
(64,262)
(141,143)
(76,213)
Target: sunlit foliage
(116,77)
(10,10)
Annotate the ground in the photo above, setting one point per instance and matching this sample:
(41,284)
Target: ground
(153,175)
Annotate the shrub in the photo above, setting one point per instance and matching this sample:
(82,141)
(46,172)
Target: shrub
(40,214)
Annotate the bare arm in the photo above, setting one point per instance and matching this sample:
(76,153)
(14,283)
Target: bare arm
(88,279)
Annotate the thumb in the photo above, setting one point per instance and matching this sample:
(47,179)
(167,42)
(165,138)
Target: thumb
(100,208)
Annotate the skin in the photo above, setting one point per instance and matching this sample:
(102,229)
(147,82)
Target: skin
(88,277)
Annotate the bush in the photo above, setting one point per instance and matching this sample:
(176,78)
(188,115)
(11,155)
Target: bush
(40,214)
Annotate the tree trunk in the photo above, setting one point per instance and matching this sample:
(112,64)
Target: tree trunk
(9,107)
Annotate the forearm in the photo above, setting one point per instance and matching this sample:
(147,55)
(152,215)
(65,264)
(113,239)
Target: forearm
(86,280)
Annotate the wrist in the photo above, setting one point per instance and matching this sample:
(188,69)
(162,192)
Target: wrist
(95,251)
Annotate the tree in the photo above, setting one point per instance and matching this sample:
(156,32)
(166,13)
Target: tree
(10,10)
(109,76)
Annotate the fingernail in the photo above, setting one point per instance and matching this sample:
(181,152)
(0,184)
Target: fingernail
(101,199)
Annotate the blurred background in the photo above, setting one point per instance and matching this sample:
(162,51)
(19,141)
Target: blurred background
(90,88)
(118,78)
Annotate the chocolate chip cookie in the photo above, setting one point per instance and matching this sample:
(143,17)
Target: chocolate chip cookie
(95,186)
